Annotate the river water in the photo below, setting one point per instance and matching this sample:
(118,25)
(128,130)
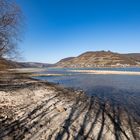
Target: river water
(121,90)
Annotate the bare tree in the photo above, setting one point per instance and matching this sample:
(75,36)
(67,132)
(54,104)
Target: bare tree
(10,25)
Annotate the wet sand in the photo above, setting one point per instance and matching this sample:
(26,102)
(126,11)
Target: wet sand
(27,70)
(36,110)
(106,72)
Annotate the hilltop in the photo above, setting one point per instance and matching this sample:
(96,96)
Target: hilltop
(101,59)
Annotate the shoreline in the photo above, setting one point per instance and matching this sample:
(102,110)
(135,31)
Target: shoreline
(106,72)
(34,109)
(27,70)
(35,72)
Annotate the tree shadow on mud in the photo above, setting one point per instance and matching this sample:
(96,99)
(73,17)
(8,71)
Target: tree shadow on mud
(105,109)
(17,129)
(88,118)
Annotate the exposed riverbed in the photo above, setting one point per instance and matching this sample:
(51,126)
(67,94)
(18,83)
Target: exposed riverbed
(118,89)
(36,110)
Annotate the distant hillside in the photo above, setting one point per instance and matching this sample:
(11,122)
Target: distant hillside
(34,65)
(87,59)
(7,64)
(66,59)
(100,59)
(134,56)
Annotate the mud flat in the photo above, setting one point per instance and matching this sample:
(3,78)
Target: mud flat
(36,110)
(27,70)
(33,72)
(44,75)
(106,72)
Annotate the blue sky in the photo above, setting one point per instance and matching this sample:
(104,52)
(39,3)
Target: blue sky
(55,29)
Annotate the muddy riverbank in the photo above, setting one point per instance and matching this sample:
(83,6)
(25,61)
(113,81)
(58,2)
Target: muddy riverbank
(36,110)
